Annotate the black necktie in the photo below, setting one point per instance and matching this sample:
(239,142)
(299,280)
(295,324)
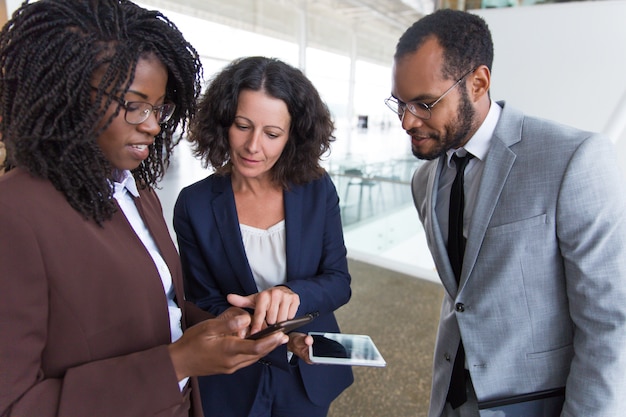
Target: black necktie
(456,248)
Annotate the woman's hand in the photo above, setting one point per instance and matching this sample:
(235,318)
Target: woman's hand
(215,346)
(231,313)
(270,306)
(299,345)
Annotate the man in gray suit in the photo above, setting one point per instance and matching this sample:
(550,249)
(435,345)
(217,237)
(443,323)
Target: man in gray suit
(536,301)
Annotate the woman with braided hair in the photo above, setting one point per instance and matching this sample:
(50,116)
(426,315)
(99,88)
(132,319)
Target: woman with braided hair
(93,312)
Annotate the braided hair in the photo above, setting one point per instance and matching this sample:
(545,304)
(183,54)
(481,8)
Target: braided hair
(49,120)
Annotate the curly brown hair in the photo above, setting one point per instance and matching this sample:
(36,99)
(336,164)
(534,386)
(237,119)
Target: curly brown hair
(310,132)
(49,120)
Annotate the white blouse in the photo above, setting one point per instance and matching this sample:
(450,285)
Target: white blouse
(267,254)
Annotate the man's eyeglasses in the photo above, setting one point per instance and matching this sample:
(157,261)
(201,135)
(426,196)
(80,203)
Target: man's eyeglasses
(137,112)
(418,109)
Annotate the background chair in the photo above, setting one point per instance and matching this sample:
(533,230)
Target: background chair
(356,177)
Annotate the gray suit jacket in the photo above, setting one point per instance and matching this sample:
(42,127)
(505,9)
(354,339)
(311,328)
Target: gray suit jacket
(542,298)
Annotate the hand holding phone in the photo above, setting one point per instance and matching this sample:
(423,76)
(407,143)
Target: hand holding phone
(283,326)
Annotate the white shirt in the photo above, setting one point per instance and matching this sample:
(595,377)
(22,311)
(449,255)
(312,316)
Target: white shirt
(267,254)
(123,193)
(478,145)
(266,251)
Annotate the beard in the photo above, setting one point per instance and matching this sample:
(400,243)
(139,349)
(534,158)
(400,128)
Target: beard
(457,131)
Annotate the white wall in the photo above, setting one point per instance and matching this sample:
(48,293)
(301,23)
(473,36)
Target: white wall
(12,5)
(565,62)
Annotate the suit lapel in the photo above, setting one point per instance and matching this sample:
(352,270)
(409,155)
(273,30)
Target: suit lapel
(497,167)
(434,234)
(151,213)
(225,213)
(293,227)
(498,164)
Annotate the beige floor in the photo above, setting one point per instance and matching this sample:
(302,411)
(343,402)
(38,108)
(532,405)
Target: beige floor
(400,313)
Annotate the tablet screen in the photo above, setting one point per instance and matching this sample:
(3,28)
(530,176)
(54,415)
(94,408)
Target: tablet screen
(344,349)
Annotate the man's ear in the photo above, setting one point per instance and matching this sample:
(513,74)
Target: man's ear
(480,81)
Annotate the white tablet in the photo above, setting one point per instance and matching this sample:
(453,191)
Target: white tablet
(344,349)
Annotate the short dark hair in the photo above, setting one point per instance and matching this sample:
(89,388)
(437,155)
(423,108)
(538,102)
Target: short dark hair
(464,37)
(311,128)
(49,52)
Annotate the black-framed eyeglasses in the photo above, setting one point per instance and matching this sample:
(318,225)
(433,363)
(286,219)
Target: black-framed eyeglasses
(137,112)
(418,109)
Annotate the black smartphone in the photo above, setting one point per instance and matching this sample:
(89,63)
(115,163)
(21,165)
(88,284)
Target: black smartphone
(283,326)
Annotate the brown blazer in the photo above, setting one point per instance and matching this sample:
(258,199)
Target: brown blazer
(84,324)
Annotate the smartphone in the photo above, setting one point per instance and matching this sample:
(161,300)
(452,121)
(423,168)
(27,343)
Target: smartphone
(283,326)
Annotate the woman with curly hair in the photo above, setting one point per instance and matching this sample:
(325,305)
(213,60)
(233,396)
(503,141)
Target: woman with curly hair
(93,311)
(264,232)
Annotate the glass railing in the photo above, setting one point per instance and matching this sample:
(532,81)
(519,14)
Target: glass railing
(371,190)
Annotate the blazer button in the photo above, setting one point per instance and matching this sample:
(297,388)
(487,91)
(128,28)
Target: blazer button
(460,307)
(264,362)
(447,356)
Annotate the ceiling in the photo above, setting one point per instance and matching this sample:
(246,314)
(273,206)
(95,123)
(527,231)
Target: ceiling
(363,29)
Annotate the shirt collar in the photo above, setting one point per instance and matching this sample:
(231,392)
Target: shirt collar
(478,145)
(125,180)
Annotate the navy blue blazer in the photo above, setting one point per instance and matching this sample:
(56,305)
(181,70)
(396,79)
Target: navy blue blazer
(215,264)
